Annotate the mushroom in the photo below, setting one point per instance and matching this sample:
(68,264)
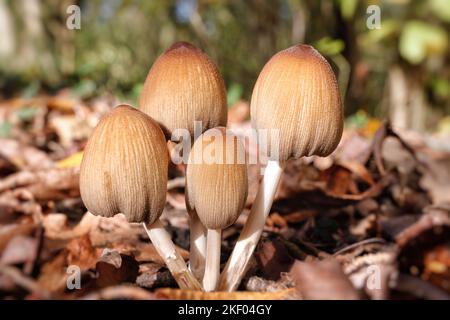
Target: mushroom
(217,185)
(296,99)
(124,170)
(184,86)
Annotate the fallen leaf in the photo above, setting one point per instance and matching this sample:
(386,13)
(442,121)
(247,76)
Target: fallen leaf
(323,280)
(114,268)
(273,259)
(20,249)
(24,156)
(72,161)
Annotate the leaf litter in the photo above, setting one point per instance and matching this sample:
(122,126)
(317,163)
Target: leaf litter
(371,221)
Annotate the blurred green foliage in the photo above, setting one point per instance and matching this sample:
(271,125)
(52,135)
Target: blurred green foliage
(120,39)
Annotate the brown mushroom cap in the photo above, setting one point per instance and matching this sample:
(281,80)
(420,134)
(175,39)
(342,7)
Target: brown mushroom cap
(124,167)
(184,86)
(217,189)
(297,94)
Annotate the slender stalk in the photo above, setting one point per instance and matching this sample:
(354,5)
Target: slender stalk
(237,263)
(212,267)
(197,250)
(175,263)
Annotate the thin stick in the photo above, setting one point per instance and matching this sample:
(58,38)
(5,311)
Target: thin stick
(237,263)
(175,263)
(212,267)
(197,242)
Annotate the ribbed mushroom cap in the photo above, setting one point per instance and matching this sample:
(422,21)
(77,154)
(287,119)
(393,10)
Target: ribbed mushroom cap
(184,86)
(216,178)
(297,94)
(124,167)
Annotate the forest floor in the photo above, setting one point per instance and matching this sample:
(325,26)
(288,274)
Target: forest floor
(371,221)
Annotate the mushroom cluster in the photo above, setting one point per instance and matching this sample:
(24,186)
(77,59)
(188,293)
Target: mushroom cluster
(125,163)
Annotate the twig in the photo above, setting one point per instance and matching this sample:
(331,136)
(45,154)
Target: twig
(360,243)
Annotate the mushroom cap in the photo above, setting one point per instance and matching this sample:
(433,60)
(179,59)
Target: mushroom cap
(297,97)
(184,86)
(216,178)
(124,167)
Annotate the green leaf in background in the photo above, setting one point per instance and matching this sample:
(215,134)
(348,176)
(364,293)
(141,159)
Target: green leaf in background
(27,113)
(348,8)
(390,27)
(441,8)
(31,90)
(441,87)
(85,89)
(419,40)
(357,120)
(330,47)
(5,129)
(136,92)
(234,93)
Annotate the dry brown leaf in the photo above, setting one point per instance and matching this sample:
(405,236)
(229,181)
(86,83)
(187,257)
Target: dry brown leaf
(53,274)
(20,249)
(70,129)
(273,258)
(44,185)
(81,253)
(55,226)
(323,280)
(115,268)
(177,294)
(8,232)
(437,266)
(23,156)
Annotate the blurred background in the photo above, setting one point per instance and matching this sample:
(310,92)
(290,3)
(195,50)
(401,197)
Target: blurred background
(398,69)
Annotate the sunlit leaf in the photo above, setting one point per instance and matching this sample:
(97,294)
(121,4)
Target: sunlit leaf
(441,87)
(330,47)
(419,40)
(85,88)
(441,8)
(390,27)
(348,8)
(234,93)
(71,161)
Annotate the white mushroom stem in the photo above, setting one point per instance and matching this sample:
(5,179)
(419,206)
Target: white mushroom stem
(212,267)
(174,261)
(197,242)
(251,233)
